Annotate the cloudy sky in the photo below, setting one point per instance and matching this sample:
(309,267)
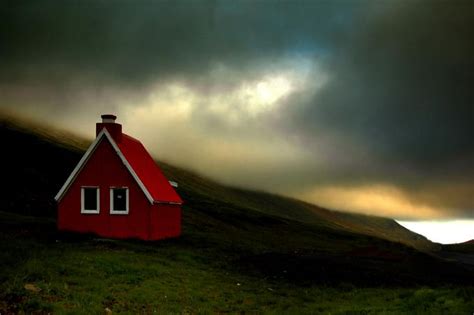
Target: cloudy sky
(364,106)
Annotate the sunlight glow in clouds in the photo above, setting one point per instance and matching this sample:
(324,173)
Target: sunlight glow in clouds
(445,232)
(381,200)
(388,201)
(232,100)
(174,102)
(262,95)
(223,129)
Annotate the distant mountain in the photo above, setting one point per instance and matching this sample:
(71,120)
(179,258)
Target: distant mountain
(465,247)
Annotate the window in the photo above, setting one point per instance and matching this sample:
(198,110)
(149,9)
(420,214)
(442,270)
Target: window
(119,200)
(90,200)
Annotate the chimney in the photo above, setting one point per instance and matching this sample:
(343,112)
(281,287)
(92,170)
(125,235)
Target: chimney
(108,122)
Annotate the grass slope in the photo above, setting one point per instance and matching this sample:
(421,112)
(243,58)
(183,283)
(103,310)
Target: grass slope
(44,272)
(241,251)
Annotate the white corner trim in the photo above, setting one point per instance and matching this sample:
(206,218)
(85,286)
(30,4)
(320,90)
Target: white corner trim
(87,155)
(127,203)
(173,183)
(89,211)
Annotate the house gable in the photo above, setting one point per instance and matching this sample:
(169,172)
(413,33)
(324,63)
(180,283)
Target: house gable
(104,134)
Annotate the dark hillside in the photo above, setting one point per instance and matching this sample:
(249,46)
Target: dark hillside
(33,167)
(56,153)
(465,247)
(195,185)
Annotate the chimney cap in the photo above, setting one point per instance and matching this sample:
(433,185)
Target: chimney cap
(108,118)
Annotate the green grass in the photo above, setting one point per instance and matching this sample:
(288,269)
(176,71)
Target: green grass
(87,275)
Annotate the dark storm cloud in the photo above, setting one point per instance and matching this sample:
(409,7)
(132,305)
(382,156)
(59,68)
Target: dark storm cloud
(63,58)
(135,41)
(402,86)
(396,108)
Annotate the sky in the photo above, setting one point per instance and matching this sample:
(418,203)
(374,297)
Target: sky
(363,106)
(445,232)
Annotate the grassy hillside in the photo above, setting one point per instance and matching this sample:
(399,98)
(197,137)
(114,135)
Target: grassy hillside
(193,186)
(57,152)
(43,271)
(241,251)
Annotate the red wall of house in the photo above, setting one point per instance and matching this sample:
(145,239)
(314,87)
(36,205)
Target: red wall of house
(165,221)
(144,221)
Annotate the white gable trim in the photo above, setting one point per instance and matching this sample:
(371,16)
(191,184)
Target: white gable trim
(88,154)
(129,167)
(79,166)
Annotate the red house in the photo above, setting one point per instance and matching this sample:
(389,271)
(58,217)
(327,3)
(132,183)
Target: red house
(118,191)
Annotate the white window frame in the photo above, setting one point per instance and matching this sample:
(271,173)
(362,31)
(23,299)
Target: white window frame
(127,203)
(88,211)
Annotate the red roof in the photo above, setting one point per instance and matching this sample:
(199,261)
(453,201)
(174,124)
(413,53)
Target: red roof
(147,170)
